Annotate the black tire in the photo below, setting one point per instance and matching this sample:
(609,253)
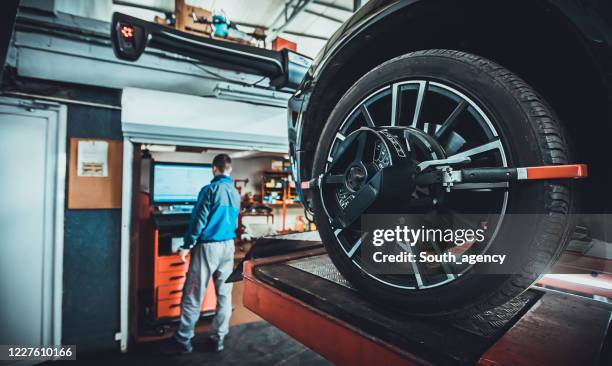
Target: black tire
(532,136)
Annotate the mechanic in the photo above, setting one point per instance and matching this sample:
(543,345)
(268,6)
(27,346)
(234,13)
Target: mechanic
(210,239)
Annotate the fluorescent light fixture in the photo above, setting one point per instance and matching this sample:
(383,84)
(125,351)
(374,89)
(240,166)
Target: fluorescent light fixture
(159,148)
(244,154)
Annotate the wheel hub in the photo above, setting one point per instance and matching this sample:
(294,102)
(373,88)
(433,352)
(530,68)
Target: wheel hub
(356,177)
(376,167)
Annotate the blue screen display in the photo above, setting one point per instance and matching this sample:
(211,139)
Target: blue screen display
(178,183)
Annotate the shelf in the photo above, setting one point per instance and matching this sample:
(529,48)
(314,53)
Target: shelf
(279,194)
(280,172)
(255,214)
(289,205)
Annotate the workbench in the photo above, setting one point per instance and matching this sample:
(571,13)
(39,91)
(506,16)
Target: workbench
(303,294)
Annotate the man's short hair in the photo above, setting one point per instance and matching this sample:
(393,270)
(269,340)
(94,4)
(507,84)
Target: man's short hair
(222,162)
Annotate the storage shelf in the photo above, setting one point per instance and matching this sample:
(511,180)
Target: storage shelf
(289,205)
(280,172)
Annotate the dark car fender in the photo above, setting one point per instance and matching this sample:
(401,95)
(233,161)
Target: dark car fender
(592,19)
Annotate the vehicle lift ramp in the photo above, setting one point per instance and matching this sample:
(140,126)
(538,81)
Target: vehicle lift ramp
(303,294)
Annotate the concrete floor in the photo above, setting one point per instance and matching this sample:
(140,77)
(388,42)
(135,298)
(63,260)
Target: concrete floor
(240,315)
(254,343)
(251,341)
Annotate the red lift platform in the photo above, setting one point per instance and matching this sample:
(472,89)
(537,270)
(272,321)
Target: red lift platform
(302,294)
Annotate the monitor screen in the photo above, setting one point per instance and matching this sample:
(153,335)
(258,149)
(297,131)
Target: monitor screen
(179,183)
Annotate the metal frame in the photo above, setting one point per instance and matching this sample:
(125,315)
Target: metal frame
(126,217)
(298,8)
(299,34)
(332,6)
(337,339)
(324,16)
(90,49)
(60,199)
(313,327)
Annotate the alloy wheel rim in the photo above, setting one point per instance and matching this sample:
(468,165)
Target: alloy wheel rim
(454,124)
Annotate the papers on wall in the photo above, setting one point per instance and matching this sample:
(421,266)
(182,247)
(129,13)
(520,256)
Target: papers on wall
(92,159)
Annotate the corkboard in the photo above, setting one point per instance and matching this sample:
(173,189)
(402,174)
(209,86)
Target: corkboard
(96,192)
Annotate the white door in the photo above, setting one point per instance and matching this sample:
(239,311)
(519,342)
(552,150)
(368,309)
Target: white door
(32,166)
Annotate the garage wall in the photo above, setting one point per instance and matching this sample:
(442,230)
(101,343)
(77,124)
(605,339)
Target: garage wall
(92,249)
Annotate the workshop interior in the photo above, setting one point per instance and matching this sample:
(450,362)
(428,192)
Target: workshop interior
(389,182)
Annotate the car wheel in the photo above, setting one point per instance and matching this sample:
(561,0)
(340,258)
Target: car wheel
(458,105)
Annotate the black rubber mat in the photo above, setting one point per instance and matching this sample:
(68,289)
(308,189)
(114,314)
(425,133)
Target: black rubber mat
(247,344)
(442,343)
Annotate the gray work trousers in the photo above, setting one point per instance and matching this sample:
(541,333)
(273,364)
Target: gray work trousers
(208,260)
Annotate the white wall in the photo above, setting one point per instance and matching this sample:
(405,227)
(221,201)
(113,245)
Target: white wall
(98,9)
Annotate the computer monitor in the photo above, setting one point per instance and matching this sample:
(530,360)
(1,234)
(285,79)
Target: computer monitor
(178,183)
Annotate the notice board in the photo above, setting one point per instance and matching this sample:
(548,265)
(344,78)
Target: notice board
(95,173)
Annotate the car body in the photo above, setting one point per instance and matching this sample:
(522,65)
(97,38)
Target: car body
(563,48)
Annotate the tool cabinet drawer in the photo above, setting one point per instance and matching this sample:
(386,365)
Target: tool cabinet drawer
(170,278)
(170,291)
(170,308)
(172,263)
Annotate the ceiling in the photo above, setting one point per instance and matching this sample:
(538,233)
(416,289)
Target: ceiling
(319,19)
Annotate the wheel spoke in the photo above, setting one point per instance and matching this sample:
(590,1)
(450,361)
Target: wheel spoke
(445,266)
(451,119)
(419,103)
(453,143)
(342,149)
(415,268)
(367,116)
(357,244)
(493,145)
(394,106)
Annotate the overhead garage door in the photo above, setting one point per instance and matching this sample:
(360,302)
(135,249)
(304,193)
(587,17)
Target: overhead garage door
(150,116)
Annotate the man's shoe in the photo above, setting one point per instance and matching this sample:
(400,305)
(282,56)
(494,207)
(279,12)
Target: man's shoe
(217,343)
(174,347)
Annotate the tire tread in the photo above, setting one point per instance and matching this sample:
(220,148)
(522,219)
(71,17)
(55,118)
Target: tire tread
(553,145)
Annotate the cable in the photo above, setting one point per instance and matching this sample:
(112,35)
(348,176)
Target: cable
(219,76)
(309,216)
(258,81)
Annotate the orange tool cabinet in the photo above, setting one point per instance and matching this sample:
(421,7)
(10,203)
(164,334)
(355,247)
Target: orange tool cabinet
(160,272)
(169,274)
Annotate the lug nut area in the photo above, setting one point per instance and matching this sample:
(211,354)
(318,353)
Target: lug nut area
(355,177)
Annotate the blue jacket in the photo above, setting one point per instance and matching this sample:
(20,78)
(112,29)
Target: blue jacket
(215,215)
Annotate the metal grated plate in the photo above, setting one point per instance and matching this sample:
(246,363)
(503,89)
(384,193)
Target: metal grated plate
(491,321)
(320,266)
(487,324)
